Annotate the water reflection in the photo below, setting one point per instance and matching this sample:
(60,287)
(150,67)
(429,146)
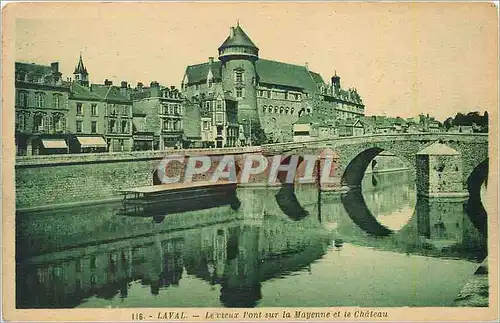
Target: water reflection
(242,256)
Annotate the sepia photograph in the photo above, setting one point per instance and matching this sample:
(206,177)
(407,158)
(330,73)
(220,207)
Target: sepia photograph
(237,161)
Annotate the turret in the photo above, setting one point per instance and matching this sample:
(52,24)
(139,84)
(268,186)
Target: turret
(238,55)
(80,73)
(336,81)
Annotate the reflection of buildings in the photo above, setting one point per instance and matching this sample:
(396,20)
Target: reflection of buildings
(239,256)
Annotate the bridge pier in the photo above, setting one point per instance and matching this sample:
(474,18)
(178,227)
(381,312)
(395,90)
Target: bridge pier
(439,172)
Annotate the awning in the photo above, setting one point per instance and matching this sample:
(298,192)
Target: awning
(54,143)
(92,142)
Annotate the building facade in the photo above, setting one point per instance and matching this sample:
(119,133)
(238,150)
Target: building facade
(158,117)
(41,109)
(270,95)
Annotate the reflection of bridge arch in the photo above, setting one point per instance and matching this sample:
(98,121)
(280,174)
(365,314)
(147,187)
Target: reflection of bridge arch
(285,198)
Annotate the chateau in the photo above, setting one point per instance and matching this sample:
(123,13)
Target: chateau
(269,94)
(239,99)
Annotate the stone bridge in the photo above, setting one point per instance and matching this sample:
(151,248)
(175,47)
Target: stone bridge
(354,154)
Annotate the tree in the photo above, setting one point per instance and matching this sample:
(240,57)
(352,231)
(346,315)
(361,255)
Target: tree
(448,123)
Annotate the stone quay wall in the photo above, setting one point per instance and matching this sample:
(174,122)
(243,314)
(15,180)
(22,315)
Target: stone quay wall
(50,180)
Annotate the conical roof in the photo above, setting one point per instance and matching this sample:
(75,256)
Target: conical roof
(80,68)
(237,37)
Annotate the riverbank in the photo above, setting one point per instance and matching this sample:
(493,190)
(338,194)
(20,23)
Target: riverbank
(475,293)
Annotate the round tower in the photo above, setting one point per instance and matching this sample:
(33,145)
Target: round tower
(239,77)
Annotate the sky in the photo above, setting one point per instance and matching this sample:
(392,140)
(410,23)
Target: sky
(404,59)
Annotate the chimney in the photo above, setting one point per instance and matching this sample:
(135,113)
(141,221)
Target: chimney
(124,88)
(307,66)
(231,32)
(54,67)
(211,60)
(172,87)
(154,89)
(108,82)
(139,85)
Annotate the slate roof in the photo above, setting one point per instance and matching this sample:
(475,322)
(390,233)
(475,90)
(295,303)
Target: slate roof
(32,68)
(240,38)
(269,72)
(80,92)
(109,92)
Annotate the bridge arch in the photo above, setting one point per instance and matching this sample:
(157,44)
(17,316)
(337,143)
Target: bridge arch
(475,207)
(354,172)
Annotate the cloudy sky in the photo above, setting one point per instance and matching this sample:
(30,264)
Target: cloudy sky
(404,59)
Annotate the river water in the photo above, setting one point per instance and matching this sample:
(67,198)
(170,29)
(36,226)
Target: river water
(378,247)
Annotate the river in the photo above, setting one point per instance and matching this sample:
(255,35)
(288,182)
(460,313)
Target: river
(377,247)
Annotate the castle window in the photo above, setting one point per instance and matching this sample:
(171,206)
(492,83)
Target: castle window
(268,94)
(286,95)
(286,110)
(239,92)
(276,109)
(270,109)
(264,108)
(281,110)
(210,83)
(291,111)
(219,105)
(238,76)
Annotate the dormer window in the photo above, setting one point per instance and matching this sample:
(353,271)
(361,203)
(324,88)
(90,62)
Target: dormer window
(210,83)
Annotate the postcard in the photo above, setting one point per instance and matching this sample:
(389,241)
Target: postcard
(250,161)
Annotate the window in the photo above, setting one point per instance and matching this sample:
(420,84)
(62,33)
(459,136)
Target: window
(219,105)
(22,98)
(93,109)
(210,83)
(79,109)
(291,111)
(56,101)
(238,76)
(276,109)
(264,109)
(206,125)
(286,95)
(268,94)
(197,87)
(112,126)
(281,110)
(124,126)
(177,125)
(296,96)
(239,92)
(176,110)
(125,110)
(93,127)
(39,100)
(79,126)
(21,121)
(219,118)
